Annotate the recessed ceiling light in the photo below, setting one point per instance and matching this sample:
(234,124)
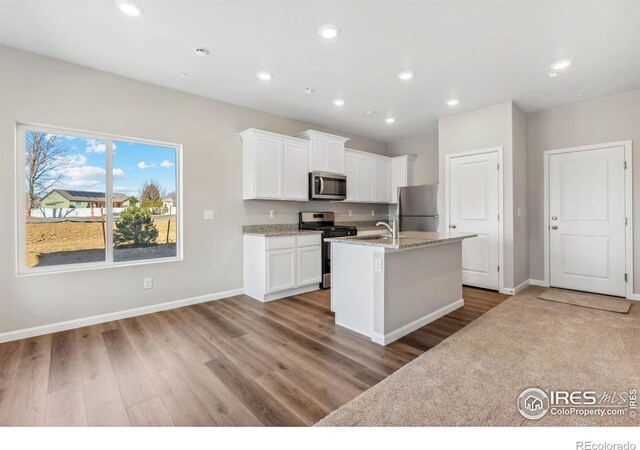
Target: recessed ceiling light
(129,8)
(329,31)
(338,102)
(453,102)
(389,120)
(184,75)
(561,65)
(264,76)
(579,94)
(309,90)
(201,51)
(406,75)
(553,74)
(369,112)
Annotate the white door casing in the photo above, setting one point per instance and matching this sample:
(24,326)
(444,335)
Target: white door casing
(587,220)
(473,205)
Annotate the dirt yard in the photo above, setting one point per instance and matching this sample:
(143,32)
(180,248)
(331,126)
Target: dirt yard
(45,238)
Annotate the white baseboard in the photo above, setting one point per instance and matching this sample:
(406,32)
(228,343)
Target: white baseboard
(634,297)
(93,320)
(543,283)
(418,323)
(509,291)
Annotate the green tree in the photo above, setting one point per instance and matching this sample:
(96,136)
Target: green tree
(133,200)
(135,226)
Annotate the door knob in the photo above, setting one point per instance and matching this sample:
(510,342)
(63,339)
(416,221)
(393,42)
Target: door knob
(452,226)
(554,227)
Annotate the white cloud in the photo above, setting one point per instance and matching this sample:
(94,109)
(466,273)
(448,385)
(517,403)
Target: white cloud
(118,173)
(84,176)
(143,165)
(166,163)
(94,146)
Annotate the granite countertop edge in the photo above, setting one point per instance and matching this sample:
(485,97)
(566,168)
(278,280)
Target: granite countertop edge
(291,229)
(417,242)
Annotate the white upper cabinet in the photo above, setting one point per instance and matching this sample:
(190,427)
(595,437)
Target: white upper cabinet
(402,168)
(275,167)
(368,177)
(382,180)
(296,167)
(326,153)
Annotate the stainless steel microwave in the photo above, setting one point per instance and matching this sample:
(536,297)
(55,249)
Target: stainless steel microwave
(327,186)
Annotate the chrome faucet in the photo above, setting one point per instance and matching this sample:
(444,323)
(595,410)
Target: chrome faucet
(393,230)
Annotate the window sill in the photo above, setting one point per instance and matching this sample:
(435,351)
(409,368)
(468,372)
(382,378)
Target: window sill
(82,267)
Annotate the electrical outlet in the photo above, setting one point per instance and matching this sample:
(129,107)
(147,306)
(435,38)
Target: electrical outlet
(272,213)
(148,283)
(208,214)
(350,213)
(373,212)
(377,265)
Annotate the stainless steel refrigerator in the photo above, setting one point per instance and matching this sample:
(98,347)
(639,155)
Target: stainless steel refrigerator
(418,208)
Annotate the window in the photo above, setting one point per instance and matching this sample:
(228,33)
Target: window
(65,220)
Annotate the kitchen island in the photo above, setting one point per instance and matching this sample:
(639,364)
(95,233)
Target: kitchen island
(386,288)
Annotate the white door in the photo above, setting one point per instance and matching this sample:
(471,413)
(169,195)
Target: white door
(335,157)
(296,168)
(474,206)
(351,172)
(319,155)
(268,169)
(587,220)
(309,265)
(281,269)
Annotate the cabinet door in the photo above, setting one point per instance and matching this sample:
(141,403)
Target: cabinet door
(309,261)
(320,155)
(382,182)
(281,269)
(351,171)
(296,168)
(268,167)
(365,179)
(335,151)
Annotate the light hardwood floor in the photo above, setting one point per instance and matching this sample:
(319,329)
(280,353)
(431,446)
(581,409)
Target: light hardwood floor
(229,362)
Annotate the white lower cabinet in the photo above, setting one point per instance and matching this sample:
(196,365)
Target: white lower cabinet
(277,267)
(281,269)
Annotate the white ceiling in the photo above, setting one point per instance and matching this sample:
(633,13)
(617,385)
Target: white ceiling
(480,52)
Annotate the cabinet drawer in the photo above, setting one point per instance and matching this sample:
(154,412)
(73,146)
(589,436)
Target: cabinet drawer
(274,243)
(308,239)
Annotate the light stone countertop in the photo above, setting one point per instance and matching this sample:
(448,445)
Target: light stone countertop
(407,239)
(271,230)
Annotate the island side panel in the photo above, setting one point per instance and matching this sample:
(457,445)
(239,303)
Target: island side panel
(420,286)
(352,286)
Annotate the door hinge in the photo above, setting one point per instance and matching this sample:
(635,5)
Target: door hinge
(498,269)
(625,165)
(498,166)
(498,216)
(626,221)
(626,278)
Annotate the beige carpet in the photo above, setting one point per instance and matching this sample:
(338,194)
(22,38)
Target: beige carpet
(586,300)
(475,376)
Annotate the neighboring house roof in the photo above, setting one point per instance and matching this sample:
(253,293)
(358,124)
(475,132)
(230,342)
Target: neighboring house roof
(168,200)
(87,196)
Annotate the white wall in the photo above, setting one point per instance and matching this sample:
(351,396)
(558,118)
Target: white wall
(484,128)
(602,120)
(520,203)
(34,89)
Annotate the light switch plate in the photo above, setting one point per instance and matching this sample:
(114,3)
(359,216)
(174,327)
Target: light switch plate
(208,214)
(272,214)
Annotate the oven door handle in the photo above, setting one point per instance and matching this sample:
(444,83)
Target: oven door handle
(321,185)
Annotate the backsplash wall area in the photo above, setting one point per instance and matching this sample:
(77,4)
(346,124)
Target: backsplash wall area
(258,211)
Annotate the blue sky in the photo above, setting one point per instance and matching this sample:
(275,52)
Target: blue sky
(133,164)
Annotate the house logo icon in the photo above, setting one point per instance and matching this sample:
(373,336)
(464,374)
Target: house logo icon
(533,403)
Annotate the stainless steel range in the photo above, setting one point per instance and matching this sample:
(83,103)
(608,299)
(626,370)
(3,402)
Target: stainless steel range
(325,222)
